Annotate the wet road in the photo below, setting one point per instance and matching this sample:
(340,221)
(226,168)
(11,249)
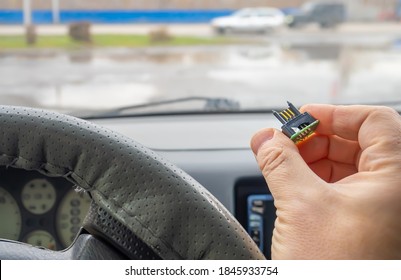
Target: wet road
(303,69)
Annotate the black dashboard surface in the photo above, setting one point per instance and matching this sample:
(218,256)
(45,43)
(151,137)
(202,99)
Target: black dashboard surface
(212,148)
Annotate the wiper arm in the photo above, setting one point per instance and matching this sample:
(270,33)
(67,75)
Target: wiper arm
(211,105)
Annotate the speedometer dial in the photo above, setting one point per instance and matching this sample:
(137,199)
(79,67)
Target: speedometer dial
(70,215)
(38,196)
(10,216)
(41,238)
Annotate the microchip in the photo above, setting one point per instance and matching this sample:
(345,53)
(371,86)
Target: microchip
(296,126)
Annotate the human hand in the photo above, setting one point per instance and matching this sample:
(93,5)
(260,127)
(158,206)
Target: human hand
(338,195)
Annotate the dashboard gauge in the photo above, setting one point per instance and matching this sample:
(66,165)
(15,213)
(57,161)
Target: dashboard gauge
(10,216)
(41,238)
(70,215)
(38,196)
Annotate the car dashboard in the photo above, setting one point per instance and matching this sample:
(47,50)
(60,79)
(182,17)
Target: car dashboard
(213,148)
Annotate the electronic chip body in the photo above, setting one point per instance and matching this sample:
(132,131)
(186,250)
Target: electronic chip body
(298,127)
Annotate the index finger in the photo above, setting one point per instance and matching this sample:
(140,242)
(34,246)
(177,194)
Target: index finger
(348,121)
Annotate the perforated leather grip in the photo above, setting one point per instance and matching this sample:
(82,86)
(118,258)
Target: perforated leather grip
(103,225)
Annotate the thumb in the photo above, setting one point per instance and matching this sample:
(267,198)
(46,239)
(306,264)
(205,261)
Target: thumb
(287,174)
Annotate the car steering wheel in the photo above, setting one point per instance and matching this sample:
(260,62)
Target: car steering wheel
(143,207)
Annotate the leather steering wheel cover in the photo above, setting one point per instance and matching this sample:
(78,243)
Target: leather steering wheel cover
(158,202)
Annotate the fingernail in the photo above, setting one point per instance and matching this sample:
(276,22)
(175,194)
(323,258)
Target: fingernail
(260,138)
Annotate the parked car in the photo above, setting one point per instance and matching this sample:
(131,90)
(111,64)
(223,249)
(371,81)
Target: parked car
(250,20)
(325,14)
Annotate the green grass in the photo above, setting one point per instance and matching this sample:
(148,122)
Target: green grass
(51,41)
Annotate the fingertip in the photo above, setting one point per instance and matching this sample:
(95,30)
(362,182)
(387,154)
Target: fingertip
(270,136)
(310,108)
(260,138)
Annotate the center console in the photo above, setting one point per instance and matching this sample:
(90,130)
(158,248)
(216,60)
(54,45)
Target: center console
(254,209)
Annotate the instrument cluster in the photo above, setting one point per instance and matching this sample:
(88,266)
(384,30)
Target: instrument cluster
(39,210)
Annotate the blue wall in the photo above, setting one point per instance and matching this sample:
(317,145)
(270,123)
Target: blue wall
(146,16)
(166,16)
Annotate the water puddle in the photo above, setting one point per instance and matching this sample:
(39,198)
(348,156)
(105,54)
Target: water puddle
(262,75)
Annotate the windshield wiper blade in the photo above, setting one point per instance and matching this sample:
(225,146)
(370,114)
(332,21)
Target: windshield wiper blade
(211,105)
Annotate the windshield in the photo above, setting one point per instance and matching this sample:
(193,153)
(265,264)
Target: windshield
(89,57)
